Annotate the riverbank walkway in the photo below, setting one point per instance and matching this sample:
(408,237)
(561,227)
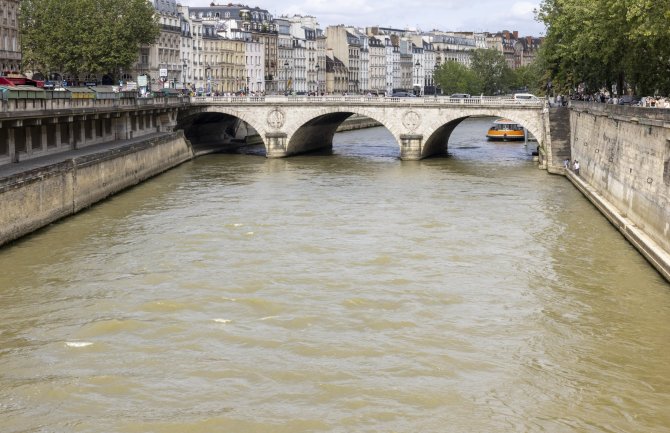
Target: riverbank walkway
(7,171)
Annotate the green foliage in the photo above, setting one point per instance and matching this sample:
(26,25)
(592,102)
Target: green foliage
(601,42)
(532,77)
(454,77)
(492,71)
(489,74)
(84,36)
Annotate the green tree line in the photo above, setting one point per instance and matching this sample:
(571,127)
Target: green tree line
(489,74)
(80,37)
(599,43)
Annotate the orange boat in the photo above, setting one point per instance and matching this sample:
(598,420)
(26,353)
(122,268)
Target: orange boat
(506,130)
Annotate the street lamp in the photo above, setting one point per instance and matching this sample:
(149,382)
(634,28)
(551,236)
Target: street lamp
(248,78)
(286,65)
(208,76)
(418,84)
(318,83)
(183,74)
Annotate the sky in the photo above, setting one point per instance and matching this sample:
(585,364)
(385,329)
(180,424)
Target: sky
(449,15)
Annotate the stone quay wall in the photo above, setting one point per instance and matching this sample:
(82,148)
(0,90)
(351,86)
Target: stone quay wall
(624,157)
(32,199)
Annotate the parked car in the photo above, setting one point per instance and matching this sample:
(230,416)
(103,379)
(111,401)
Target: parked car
(403,95)
(521,97)
(628,100)
(460,96)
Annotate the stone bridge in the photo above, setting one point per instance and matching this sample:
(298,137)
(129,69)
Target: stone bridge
(421,126)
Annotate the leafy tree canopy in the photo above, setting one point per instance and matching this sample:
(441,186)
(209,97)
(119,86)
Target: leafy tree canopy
(488,74)
(454,77)
(601,42)
(84,36)
(492,71)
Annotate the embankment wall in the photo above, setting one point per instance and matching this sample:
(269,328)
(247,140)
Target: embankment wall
(32,199)
(624,157)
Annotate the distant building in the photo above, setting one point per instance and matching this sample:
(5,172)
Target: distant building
(336,74)
(517,51)
(377,68)
(10,49)
(259,24)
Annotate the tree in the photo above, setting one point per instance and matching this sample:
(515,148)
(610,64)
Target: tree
(454,77)
(601,42)
(81,37)
(492,71)
(531,77)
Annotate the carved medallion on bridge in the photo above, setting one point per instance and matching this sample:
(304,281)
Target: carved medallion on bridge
(411,120)
(276,118)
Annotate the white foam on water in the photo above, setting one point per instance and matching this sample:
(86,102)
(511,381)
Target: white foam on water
(249,233)
(222,320)
(77,343)
(237,225)
(268,317)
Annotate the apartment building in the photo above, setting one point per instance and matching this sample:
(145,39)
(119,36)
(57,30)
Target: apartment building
(10,49)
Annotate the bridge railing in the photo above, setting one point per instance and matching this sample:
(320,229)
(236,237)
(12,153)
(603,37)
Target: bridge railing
(23,107)
(372,100)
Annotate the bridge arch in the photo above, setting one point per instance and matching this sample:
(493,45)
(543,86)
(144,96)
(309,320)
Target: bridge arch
(437,134)
(210,124)
(315,130)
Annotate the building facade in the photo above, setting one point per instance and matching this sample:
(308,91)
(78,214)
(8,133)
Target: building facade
(377,65)
(10,48)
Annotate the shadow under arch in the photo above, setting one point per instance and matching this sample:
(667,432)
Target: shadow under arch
(438,142)
(215,131)
(317,133)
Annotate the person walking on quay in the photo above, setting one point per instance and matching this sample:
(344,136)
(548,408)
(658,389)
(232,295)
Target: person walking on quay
(566,164)
(575,167)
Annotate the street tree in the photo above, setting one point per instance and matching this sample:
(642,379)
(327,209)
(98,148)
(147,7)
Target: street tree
(492,71)
(454,77)
(80,37)
(602,42)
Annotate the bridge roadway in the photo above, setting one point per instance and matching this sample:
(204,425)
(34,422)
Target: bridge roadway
(290,125)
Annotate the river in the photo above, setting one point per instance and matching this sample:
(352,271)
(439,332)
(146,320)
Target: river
(349,292)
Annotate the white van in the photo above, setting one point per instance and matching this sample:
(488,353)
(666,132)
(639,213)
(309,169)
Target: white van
(525,97)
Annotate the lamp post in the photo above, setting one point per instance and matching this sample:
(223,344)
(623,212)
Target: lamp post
(418,84)
(183,74)
(248,78)
(318,82)
(435,70)
(286,66)
(208,76)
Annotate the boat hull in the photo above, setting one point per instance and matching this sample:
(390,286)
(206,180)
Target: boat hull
(505,136)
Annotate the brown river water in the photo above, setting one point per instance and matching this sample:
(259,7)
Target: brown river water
(349,292)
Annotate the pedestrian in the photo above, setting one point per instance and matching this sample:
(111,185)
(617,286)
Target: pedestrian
(566,164)
(575,167)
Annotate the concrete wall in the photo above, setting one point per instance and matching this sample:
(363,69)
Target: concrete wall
(35,198)
(624,156)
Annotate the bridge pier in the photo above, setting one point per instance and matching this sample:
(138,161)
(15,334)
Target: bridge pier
(276,143)
(410,147)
